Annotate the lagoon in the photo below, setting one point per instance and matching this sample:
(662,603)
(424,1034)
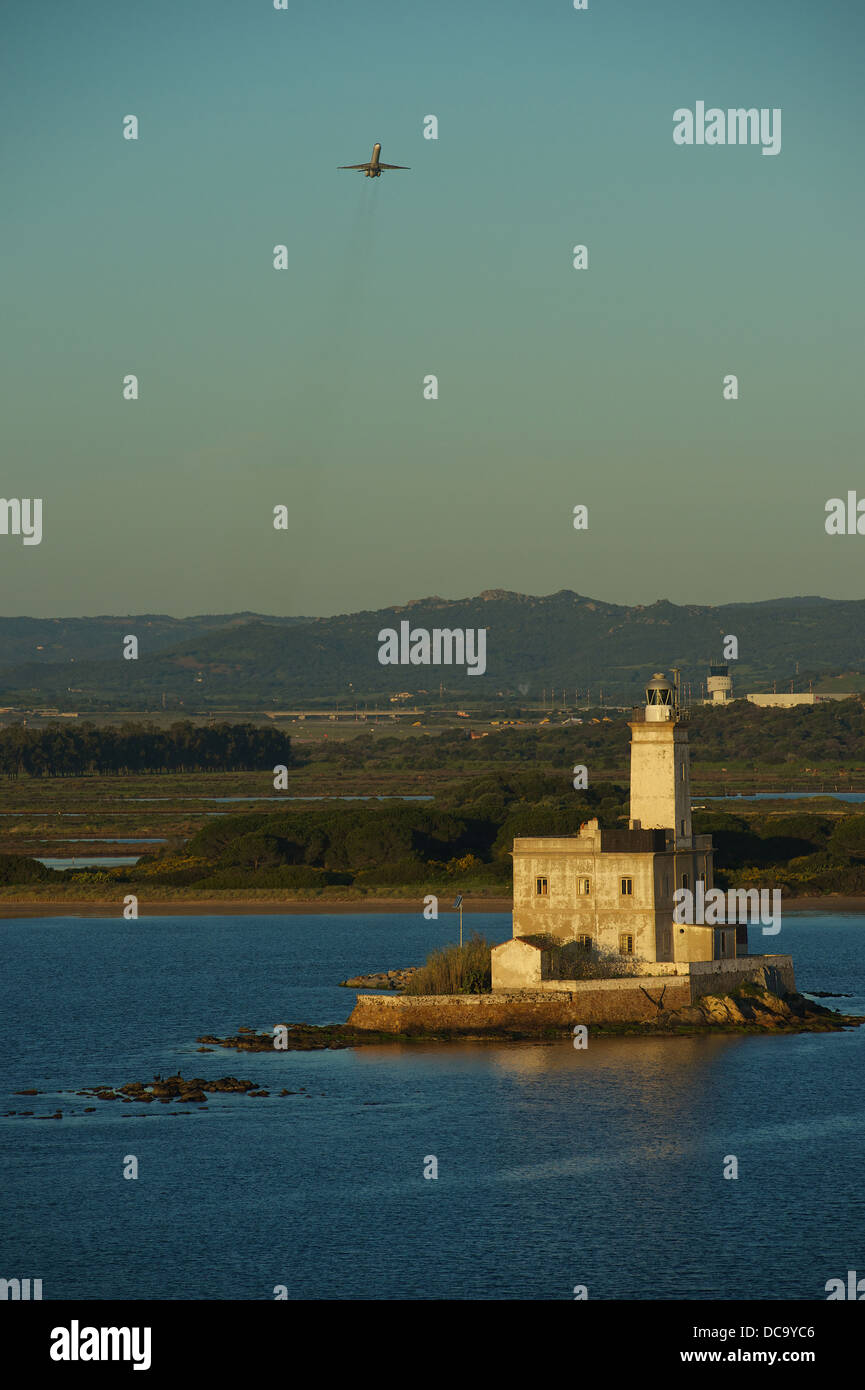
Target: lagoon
(556,1167)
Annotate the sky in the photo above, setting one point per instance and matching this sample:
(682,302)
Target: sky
(303,387)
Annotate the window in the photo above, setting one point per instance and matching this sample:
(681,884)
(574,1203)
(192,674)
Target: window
(686,882)
(584,942)
(666,885)
(584,886)
(542,887)
(627,887)
(683,827)
(626,944)
(683,772)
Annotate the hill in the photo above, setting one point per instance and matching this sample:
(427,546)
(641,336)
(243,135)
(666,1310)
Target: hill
(564,641)
(26,642)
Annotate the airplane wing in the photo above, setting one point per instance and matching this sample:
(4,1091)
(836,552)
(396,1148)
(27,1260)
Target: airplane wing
(393,166)
(356,166)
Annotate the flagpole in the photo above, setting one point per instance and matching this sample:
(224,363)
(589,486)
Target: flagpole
(461,924)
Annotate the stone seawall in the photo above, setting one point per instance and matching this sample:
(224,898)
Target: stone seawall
(568,1002)
(724,976)
(524,1009)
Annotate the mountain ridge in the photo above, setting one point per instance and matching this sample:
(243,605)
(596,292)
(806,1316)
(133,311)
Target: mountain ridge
(564,639)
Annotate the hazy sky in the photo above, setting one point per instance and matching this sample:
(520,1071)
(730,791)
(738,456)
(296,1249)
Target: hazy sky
(304,387)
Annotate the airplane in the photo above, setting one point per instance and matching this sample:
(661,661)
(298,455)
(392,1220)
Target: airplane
(373,169)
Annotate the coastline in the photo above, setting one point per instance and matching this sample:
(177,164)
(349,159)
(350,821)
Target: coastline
(233,907)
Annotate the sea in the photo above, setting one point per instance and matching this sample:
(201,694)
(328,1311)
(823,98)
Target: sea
(553,1167)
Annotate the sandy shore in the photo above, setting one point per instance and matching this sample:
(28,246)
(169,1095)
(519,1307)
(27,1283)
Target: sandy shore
(214,908)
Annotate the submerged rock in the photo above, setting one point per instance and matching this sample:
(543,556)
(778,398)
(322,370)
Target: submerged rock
(186,1090)
(299,1037)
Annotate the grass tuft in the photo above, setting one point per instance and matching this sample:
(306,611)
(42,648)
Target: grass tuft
(463,969)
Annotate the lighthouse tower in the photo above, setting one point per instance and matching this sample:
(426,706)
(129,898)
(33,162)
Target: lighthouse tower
(660,765)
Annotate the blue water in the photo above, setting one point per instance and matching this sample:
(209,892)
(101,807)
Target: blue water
(282,797)
(785,796)
(83,861)
(555,1167)
(103,839)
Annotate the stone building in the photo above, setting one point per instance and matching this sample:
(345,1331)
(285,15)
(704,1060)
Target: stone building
(613,889)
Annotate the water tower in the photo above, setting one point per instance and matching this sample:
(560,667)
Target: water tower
(719,685)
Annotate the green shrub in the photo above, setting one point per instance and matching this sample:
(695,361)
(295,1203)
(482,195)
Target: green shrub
(288,876)
(403,871)
(20,868)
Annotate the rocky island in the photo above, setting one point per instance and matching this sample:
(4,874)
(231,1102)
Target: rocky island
(753,1008)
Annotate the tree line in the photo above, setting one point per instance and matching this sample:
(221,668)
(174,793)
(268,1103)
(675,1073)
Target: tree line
(741,733)
(81,750)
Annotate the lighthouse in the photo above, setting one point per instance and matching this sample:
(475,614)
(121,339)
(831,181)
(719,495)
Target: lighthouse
(660,764)
(615,890)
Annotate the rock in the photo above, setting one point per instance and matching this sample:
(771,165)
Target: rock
(770,1010)
(690,1014)
(758,1006)
(715,1009)
(383,979)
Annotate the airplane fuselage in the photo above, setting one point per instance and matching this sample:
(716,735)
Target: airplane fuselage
(373,169)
